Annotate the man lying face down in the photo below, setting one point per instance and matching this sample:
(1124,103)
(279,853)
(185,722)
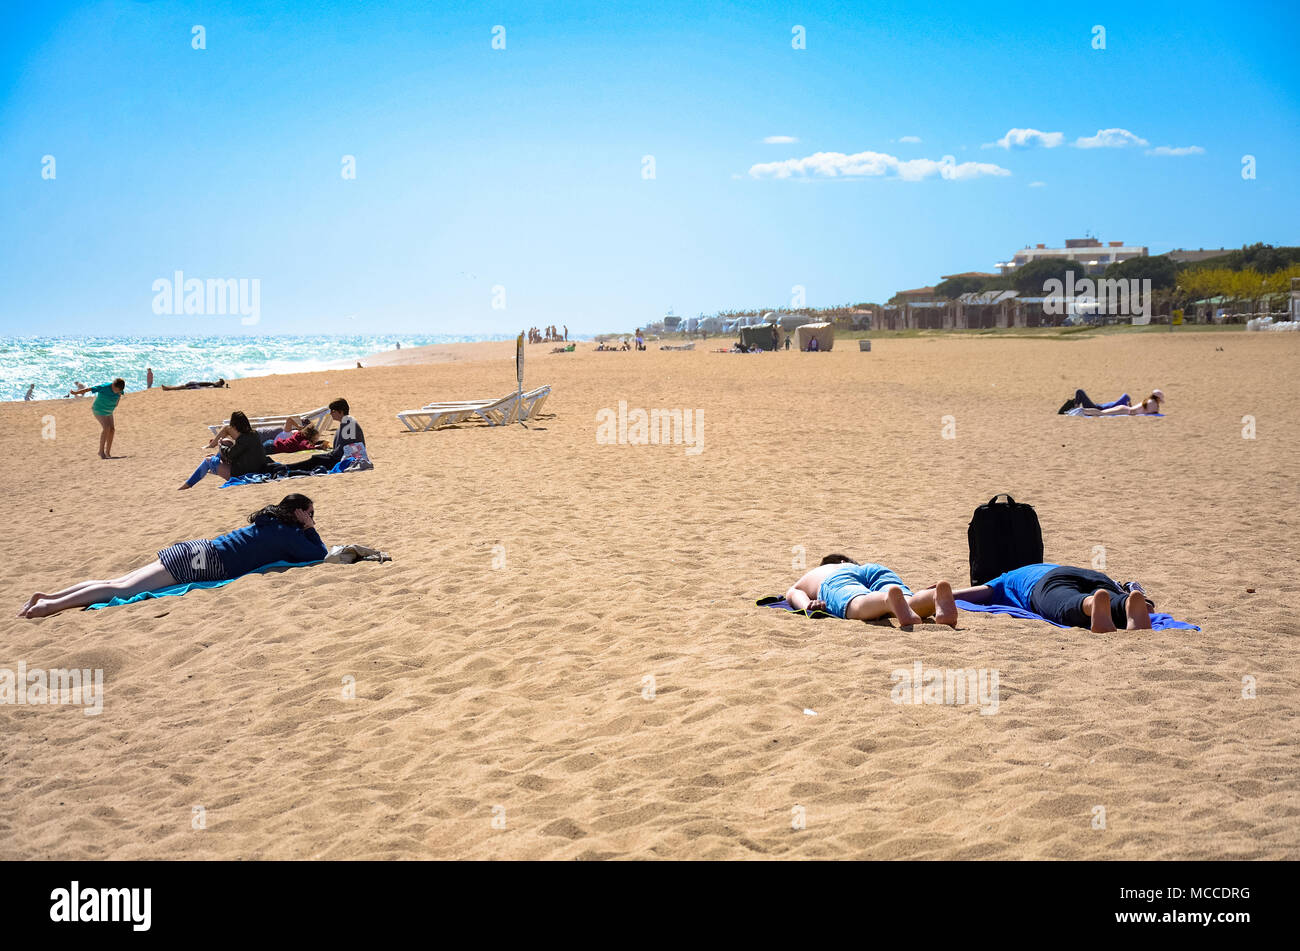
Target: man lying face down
(1075,597)
(844,588)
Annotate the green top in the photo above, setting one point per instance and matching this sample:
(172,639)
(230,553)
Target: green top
(105,399)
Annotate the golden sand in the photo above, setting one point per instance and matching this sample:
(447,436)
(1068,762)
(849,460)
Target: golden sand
(506,710)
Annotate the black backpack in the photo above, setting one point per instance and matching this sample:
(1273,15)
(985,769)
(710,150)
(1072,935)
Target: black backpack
(1003,536)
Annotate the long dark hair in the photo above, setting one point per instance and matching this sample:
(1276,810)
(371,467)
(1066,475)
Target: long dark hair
(240,422)
(283,512)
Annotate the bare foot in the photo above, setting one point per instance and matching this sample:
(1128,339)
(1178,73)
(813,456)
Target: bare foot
(39,609)
(30,601)
(945,606)
(1139,617)
(102,454)
(900,608)
(183,486)
(1101,622)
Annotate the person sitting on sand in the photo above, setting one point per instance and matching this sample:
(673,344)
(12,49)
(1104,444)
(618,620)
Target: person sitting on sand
(283,532)
(233,458)
(1151,406)
(846,589)
(199,385)
(1076,597)
(347,439)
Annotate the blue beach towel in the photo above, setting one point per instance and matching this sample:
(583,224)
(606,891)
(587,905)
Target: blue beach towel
(179,589)
(1080,412)
(254,478)
(1159,622)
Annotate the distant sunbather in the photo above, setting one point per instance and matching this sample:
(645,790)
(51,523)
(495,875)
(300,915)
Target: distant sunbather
(283,532)
(842,587)
(1080,400)
(199,385)
(1076,597)
(1150,406)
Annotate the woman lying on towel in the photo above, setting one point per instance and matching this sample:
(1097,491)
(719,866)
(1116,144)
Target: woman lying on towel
(1150,406)
(284,532)
(234,457)
(1081,405)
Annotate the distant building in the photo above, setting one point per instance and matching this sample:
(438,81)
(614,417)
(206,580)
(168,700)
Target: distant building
(1091,254)
(915,294)
(1183,256)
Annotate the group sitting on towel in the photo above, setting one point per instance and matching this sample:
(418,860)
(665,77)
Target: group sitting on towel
(1081,405)
(1068,596)
(283,532)
(293,436)
(246,453)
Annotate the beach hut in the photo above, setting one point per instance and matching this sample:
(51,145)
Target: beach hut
(760,336)
(824,334)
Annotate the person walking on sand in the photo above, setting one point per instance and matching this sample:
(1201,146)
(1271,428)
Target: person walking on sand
(30,391)
(107,396)
(842,587)
(1075,597)
(283,532)
(148,378)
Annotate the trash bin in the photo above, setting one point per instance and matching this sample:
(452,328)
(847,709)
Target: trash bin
(864,345)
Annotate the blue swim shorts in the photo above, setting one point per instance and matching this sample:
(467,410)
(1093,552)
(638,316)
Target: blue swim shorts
(850,581)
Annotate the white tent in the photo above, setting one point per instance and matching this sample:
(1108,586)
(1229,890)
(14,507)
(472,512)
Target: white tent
(805,333)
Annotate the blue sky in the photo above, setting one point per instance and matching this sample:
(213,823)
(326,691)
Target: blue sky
(523,168)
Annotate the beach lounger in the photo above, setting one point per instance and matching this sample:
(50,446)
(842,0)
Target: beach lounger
(435,416)
(320,418)
(533,402)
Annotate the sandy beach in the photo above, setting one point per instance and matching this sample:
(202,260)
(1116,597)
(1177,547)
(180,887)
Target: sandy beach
(564,659)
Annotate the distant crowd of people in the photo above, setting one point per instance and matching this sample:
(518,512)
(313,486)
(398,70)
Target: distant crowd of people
(549,334)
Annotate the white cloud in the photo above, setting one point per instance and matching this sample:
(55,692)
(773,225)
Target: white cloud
(780,139)
(1176,150)
(1027,138)
(1037,184)
(911,139)
(873,164)
(1110,139)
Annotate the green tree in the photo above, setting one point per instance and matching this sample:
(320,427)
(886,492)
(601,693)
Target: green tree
(954,287)
(1161,270)
(1031,279)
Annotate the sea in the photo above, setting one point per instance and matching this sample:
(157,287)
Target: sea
(54,364)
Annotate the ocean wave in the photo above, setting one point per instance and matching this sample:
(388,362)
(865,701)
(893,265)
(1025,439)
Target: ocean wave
(53,364)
